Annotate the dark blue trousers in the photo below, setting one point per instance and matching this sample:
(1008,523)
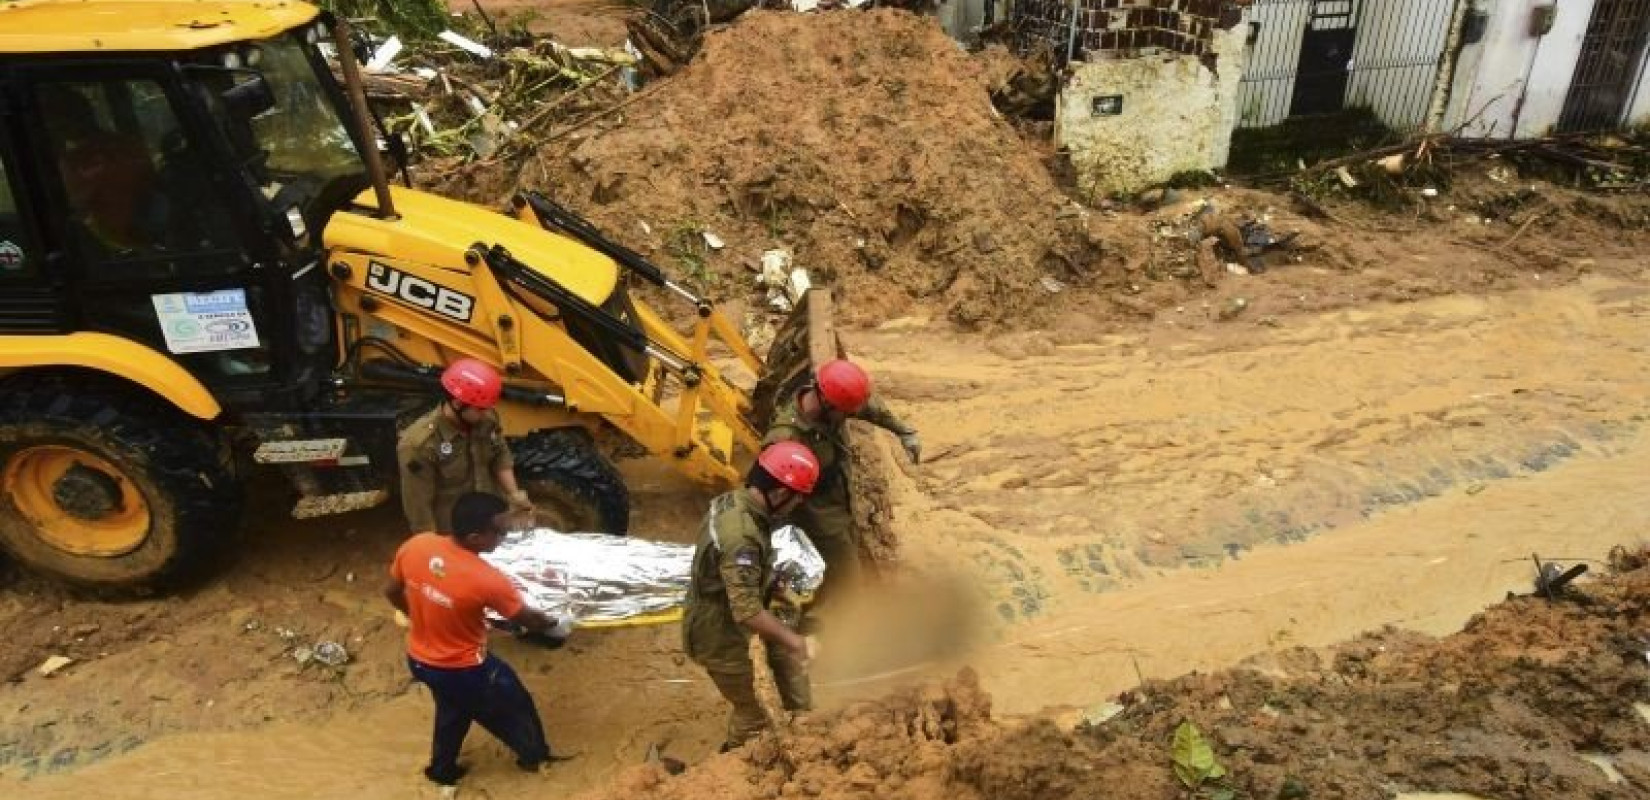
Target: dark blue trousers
(493,696)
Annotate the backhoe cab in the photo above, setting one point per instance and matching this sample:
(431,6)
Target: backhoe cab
(202,267)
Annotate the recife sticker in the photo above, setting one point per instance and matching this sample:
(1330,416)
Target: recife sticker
(206,322)
(11,257)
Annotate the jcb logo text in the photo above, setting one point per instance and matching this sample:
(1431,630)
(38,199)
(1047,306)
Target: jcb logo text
(422,293)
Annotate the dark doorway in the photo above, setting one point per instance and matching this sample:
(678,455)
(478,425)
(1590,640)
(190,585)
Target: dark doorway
(1612,53)
(1326,58)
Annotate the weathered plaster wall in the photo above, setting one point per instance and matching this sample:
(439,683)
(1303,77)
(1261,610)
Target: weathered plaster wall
(1514,83)
(1177,114)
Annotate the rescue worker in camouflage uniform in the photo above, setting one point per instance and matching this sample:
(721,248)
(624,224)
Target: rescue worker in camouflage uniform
(728,596)
(456,449)
(815,416)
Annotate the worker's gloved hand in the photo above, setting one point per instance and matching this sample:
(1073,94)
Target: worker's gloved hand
(563,627)
(912,445)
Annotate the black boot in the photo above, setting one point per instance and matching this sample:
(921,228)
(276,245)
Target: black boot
(446,777)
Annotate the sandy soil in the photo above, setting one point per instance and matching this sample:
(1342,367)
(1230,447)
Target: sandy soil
(1131,476)
(1129,506)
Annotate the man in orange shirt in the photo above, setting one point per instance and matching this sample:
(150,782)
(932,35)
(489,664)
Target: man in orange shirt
(444,587)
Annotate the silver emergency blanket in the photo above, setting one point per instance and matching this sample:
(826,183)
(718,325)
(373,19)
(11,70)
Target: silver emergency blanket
(600,578)
(593,576)
(798,569)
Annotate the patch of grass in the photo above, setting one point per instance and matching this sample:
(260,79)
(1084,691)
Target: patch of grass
(410,19)
(685,243)
(1282,147)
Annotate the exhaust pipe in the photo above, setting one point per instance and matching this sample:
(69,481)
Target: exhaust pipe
(363,123)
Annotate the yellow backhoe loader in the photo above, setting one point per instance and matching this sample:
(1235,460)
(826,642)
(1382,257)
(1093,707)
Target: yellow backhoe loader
(204,269)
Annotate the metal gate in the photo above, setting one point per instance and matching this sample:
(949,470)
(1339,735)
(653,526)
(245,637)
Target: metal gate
(1326,58)
(1612,56)
(1311,57)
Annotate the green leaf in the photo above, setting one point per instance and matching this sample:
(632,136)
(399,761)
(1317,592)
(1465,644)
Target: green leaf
(1194,759)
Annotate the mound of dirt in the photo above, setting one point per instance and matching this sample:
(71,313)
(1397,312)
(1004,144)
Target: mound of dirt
(1528,701)
(865,143)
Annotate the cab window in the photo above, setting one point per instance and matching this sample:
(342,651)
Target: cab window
(19,253)
(133,185)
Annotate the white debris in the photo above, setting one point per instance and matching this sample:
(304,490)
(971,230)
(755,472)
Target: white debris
(386,53)
(713,241)
(1102,713)
(776,265)
(52,665)
(331,654)
(798,284)
(1051,285)
(1429,192)
(1236,269)
(804,5)
(465,44)
(632,79)
(423,118)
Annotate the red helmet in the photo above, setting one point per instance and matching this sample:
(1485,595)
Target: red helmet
(472,383)
(792,464)
(843,385)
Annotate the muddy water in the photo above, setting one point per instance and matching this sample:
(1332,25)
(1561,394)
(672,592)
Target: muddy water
(1141,505)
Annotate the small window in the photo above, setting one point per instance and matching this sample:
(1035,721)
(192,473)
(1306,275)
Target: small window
(134,185)
(19,256)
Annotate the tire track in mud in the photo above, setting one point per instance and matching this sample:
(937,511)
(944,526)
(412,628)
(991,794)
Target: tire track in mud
(1072,468)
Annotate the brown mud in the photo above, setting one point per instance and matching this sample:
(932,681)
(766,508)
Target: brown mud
(1514,705)
(1131,480)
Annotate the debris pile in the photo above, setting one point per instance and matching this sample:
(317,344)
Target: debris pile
(864,143)
(1203,240)
(462,97)
(1398,175)
(1535,698)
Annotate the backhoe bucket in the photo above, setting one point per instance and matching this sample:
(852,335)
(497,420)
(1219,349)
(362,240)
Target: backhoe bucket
(712,418)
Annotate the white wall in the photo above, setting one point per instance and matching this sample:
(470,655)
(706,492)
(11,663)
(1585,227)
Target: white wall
(1512,77)
(1177,115)
(1555,65)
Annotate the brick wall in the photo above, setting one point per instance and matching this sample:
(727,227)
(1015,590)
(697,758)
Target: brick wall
(1125,27)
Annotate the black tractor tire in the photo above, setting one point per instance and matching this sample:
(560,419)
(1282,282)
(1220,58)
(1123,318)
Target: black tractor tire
(575,488)
(181,468)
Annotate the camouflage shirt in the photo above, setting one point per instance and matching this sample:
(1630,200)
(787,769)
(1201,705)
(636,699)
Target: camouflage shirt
(825,439)
(732,567)
(441,460)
